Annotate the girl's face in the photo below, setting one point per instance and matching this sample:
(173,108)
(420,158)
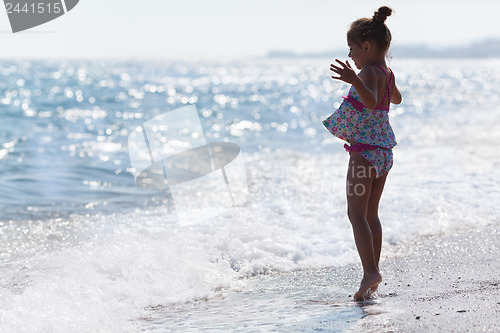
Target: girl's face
(357,53)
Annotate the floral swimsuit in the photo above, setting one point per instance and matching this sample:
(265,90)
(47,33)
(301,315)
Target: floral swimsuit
(369,128)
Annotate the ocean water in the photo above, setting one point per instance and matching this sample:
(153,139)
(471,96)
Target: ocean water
(85,249)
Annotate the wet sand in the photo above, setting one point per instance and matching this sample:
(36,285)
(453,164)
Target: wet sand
(442,283)
(439,284)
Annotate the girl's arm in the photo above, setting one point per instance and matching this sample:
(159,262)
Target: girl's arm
(367,87)
(396,97)
(365,84)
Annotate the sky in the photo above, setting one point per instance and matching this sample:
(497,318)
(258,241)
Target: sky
(229,29)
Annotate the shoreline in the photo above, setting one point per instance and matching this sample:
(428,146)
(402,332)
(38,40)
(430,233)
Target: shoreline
(445,283)
(439,283)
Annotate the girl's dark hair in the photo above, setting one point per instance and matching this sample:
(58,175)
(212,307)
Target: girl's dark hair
(372,29)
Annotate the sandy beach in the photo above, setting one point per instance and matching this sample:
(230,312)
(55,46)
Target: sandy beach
(439,284)
(442,283)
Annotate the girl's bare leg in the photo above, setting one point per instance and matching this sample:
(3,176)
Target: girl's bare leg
(373,219)
(360,177)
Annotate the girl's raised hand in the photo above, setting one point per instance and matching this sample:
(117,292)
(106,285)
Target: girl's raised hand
(346,73)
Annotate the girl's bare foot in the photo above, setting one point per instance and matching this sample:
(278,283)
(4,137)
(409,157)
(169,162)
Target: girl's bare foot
(369,295)
(368,282)
(375,287)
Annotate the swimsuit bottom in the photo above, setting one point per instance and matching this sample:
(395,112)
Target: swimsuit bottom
(380,158)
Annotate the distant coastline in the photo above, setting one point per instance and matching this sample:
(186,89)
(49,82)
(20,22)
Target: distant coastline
(489,48)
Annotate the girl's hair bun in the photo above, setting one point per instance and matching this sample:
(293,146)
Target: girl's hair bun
(381,14)
(372,29)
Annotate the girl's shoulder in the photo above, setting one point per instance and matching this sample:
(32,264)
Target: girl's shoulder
(372,73)
(377,71)
(369,70)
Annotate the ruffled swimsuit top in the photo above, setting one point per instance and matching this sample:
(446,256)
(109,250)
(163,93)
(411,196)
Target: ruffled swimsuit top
(354,121)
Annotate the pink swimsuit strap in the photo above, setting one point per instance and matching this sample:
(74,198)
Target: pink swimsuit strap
(388,92)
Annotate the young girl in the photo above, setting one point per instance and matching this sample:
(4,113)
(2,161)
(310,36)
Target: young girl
(362,120)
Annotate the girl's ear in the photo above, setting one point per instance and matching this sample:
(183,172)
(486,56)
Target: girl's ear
(366,47)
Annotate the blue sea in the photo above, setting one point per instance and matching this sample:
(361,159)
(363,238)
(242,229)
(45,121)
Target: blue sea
(83,248)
